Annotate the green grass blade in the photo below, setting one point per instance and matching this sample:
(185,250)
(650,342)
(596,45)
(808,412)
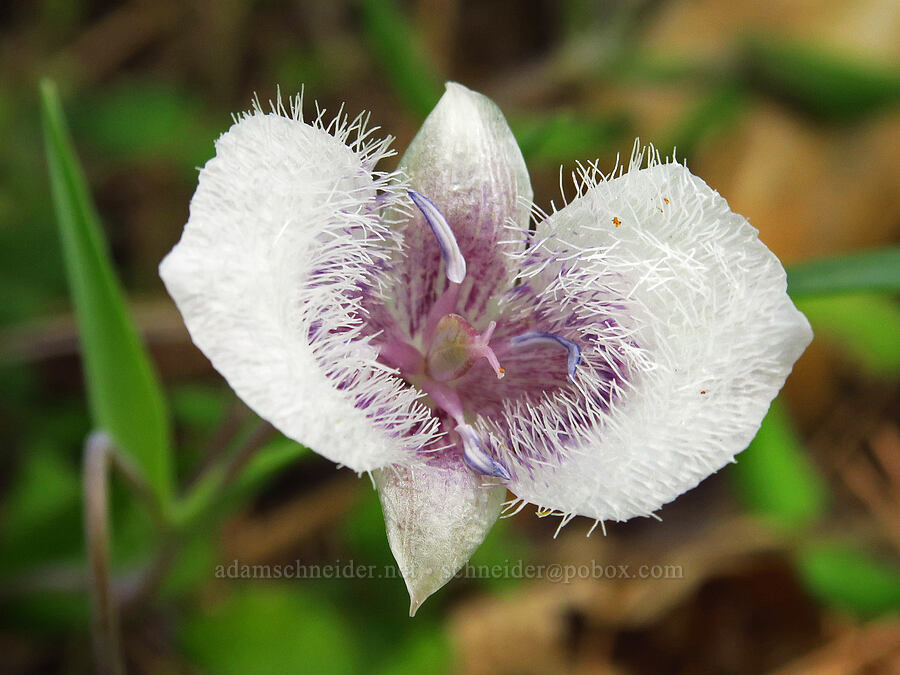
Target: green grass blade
(125,396)
(867,327)
(867,271)
(775,477)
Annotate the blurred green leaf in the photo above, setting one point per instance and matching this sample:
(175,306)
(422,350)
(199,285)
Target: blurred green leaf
(866,271)
(776,479)
(41,517)
(45,486)
(136,535)
(270,628)
(192,567)
(363,530)
(146,120)
(867,326)
(502,551)
(824,84)
(842,576)
(397,47)
(124,393)
(208,492)
(426,651)
(199,407)
(562,136)
(41,543)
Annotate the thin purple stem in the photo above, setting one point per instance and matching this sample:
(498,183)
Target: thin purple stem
(98,455)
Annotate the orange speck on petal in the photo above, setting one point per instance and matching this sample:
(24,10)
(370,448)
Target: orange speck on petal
(616,222)
(666,200)
(703,392)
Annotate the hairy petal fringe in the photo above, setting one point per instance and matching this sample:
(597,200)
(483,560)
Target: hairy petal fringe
(702,340)
(285,242)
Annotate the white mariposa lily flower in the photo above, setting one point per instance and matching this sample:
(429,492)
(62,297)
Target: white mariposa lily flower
(411,325)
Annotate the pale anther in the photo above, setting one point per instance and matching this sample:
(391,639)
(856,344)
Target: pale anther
(453,258)
(476,457)
(538,338)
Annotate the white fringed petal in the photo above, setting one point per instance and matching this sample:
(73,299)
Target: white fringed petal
(284,239)
(436,516)
(706,335)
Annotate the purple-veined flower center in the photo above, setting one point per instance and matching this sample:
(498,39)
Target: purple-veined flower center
(438,360)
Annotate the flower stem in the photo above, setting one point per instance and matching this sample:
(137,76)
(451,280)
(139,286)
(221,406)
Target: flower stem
(98,454)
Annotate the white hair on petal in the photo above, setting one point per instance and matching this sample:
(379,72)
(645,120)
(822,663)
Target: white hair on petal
(703,339)
(524,434)
(346,262)
(288,237)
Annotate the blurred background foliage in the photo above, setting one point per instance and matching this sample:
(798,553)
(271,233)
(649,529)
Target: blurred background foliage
(790,558)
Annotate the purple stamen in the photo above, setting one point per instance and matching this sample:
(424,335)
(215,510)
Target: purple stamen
(477,459)
(453,258)
(538,337)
